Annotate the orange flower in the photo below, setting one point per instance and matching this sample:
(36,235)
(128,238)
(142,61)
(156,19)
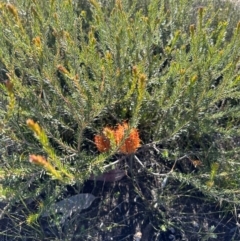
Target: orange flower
(102,143)
(41,161)
(38,160)
(119,133)
(129,145)
(37,41)
(109,134)
(12,9)
(62,69)
(34,126)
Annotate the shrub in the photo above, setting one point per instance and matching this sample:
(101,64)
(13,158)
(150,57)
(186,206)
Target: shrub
(168,68)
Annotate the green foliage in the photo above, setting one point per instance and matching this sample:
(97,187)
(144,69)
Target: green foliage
(170,68)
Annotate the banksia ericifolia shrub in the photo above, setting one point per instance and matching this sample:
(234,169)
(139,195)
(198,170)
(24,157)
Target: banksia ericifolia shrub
(167,70)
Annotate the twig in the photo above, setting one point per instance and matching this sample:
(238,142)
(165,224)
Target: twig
(163,174)
(115,162)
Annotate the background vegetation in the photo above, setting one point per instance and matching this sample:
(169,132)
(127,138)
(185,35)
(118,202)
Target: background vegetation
(71,68)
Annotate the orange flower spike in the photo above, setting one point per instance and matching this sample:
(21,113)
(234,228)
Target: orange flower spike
(110,135)
(132,142)
(102,143)
(62,69)
(111,139)
(37,41)
(119,133)
(13,10)
(108,132)
(34,126)
(41,161)
(38,160)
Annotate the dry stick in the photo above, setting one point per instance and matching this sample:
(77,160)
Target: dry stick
(115,162)
(158,174)
(3,210)
(166,175)
(155,174)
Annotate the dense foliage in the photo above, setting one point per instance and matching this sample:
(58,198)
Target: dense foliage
(69,69)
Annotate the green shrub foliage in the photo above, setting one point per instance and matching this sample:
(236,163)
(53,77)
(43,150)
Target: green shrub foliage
(168,68)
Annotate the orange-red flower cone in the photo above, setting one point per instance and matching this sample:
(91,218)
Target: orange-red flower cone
(102,143)
(128,146)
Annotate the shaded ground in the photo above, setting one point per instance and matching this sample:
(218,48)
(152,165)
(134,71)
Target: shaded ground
(135,205)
